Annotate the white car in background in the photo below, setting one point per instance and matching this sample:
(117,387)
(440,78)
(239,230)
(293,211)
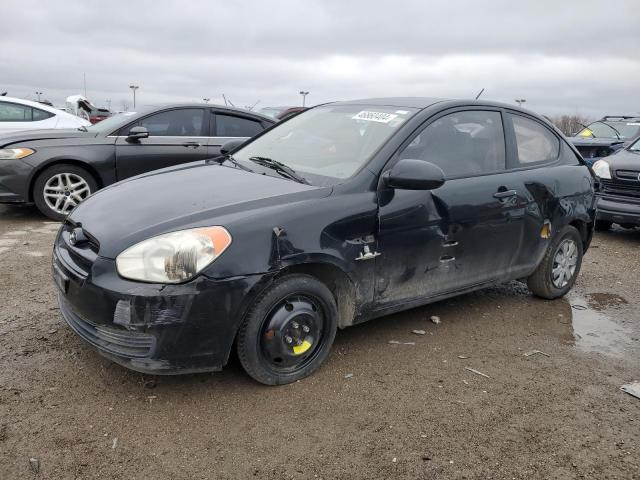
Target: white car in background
(17,114)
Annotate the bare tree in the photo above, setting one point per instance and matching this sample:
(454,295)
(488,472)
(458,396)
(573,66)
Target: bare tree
(570,124)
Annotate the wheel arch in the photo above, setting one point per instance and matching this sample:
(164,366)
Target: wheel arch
(337,281)
(63,161)
(585,229)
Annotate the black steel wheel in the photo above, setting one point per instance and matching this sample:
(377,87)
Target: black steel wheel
(289,331)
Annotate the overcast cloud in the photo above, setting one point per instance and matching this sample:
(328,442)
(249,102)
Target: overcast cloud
(562,56)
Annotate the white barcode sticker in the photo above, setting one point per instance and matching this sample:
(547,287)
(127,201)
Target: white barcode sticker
(375,116)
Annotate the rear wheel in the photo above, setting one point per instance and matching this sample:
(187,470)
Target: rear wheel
(59,188)
(603,225)
(559,268)
(289,331)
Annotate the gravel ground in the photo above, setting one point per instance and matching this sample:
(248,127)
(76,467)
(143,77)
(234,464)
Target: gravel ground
(375,410)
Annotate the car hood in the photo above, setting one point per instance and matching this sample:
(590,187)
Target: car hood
(192,195)
(33,135)
(594,142)
(624,160)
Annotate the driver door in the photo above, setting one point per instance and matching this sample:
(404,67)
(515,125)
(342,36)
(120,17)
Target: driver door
(462,234)
(176,136)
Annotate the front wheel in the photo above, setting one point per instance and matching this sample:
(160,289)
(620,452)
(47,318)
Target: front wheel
(559,268)
(289,331)
(60,188)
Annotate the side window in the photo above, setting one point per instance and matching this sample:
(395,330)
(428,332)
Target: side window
(232,126)
(536,144)
(41,115)
(14,112)
(183,122)
(462,144)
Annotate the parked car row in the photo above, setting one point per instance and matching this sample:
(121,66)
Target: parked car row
(343,213)
(57,169)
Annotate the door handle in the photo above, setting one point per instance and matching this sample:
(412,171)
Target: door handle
(505,194)
(191,144)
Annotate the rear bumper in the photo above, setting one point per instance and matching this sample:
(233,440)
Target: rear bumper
(618,209)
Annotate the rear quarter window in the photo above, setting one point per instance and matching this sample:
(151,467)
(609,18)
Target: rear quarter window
(535,143)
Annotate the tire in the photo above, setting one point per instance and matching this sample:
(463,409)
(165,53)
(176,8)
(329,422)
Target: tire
(603,225)
(66,185)
(541,282)
(270,347)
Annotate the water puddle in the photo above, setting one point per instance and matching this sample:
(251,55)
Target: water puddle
(594,330)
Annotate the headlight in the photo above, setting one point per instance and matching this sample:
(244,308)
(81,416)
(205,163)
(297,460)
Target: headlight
(15,153)
(601,169)
(173,257)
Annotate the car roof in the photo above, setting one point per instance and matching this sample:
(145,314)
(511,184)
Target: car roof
(426,102)
(153,107)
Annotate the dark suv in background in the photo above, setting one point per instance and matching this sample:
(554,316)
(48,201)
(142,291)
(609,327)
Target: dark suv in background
(57,169)
(606,136)
(619,193)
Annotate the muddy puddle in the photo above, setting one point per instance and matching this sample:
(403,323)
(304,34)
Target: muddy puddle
(599,324)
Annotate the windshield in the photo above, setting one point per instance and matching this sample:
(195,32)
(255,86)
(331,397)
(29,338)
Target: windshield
(112,123)
(271,111)
(329,143)
(635,146)
(605,130)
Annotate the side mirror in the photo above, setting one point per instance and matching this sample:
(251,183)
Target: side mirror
(136,133)
(410,174)
(230,146)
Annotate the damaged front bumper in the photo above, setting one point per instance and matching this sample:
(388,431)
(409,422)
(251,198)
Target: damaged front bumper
(150,328)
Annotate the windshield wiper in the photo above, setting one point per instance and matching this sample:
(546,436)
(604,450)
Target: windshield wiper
(228,157)
(281,168)
(586,128)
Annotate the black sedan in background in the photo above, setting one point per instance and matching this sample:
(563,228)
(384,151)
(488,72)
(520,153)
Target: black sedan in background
(57,169)
(346,212)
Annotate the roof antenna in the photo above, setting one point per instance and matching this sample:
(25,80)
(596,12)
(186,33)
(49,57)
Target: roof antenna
(478,96)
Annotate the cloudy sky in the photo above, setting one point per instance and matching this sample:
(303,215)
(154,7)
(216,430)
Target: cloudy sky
(562,56)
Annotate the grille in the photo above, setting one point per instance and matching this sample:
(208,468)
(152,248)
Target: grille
(627,174)
(613,187)
(79,258)
(117,342)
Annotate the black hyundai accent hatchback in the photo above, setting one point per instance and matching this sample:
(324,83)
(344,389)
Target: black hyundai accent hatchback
(346,212)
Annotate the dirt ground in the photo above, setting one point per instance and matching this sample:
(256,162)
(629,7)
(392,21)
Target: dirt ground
(376,410)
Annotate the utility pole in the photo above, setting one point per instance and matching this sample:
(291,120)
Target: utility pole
(38,93)
(84,81)
(304,96)
(108,104)
(133,89)
(520,101)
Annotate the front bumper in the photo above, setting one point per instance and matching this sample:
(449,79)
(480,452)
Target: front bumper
(618,209)
(14,181)
(150,328)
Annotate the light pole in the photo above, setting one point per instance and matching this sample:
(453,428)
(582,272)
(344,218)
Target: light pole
(206,100)
(520,101)
(304,96)
(108,104)
(134,88)
(38,93)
